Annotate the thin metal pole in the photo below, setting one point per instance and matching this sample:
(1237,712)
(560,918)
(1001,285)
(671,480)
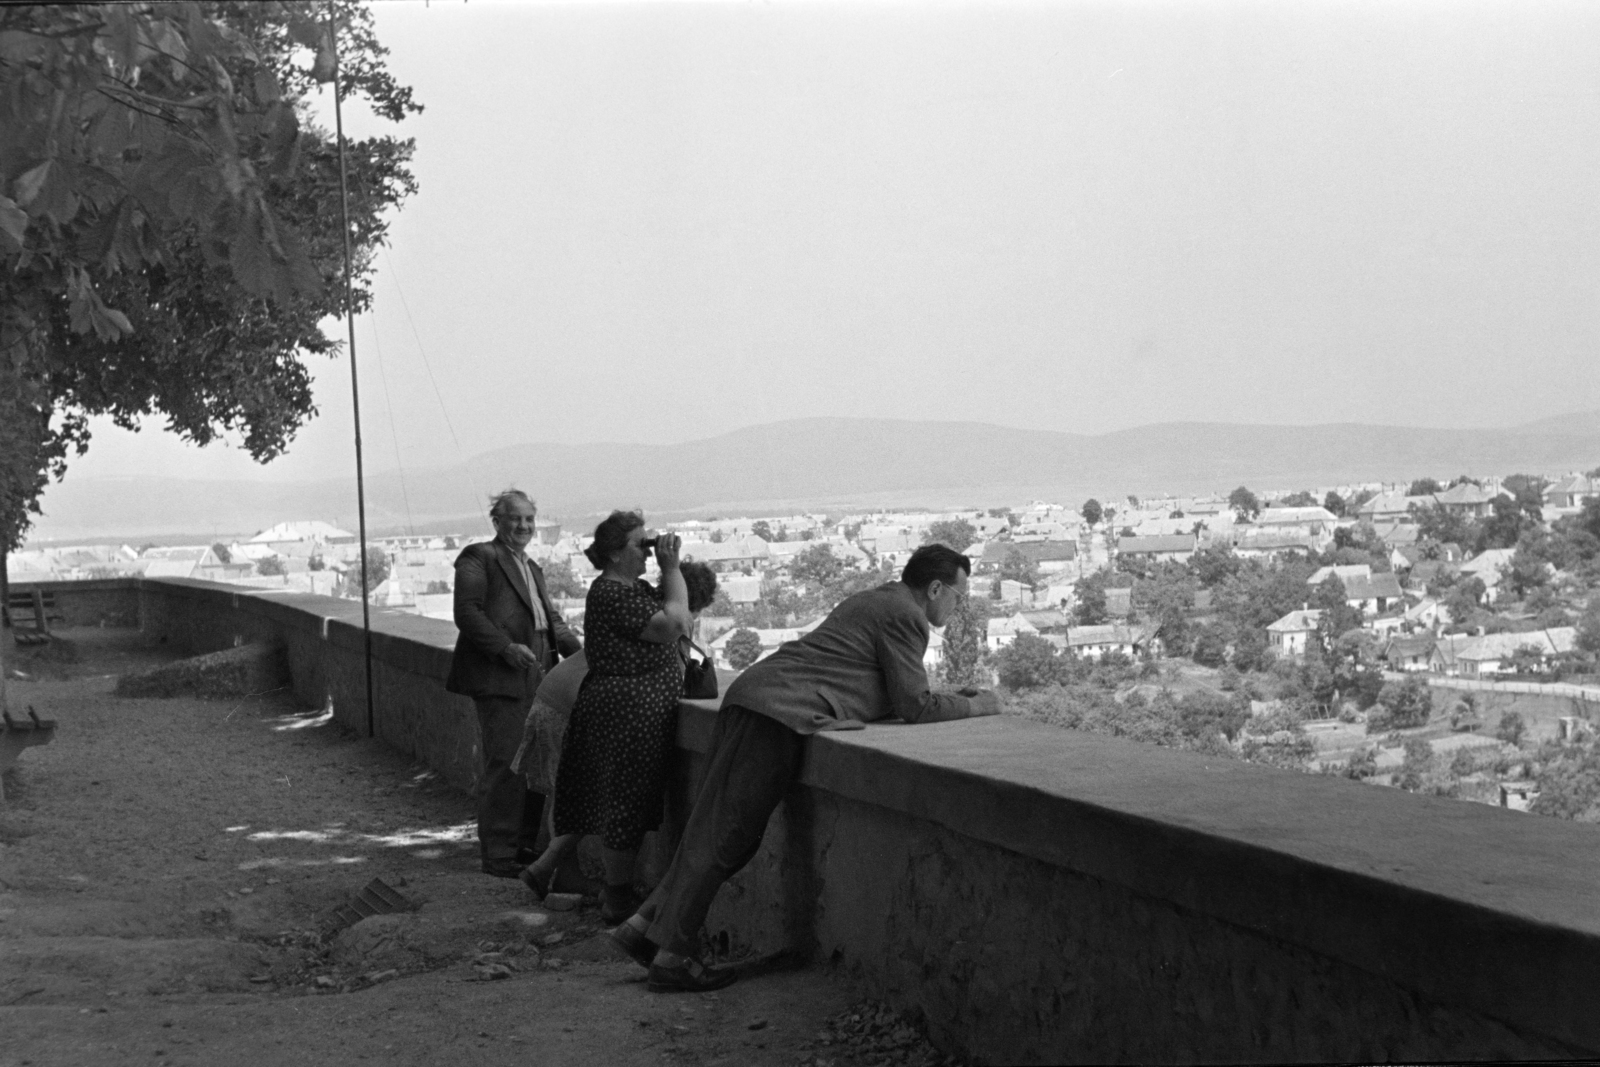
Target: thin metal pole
(355,382)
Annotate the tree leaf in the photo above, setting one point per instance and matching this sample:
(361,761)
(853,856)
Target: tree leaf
(305,31)
(28,184)
(122,36)
(18,47)
(283,140)
(13,221)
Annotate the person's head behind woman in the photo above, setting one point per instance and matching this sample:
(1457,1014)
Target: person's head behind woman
(701,581)
(611,537)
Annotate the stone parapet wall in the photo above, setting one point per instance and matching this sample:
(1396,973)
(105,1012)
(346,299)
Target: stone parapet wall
(1049,896)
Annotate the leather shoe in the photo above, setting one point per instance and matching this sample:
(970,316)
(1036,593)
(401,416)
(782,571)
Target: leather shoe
(688,977)
(639,948)
(502,868)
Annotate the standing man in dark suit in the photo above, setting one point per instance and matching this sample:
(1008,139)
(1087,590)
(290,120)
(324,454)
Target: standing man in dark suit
(862,664)
(510,635)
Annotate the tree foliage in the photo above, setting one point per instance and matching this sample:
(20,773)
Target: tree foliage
(958,534)
(1401,705)
(1244,503)
(1019,567)
(560,581)
(1511,727)
(1569,785)
(817,565)
(1424,487)
(1028,662)
(744,648)
(965,643)
(1089,600)
(169,232)
(1092,512)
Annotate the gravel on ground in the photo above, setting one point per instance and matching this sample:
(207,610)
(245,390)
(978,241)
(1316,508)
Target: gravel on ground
(169,867)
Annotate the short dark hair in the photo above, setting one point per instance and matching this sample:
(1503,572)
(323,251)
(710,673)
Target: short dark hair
(499,502)
(611,537)
(701,581)
(932,563)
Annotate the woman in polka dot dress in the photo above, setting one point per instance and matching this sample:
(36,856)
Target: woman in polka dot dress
(613,771)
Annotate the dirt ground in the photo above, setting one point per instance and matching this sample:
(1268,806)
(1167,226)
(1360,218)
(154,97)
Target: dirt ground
(166,867)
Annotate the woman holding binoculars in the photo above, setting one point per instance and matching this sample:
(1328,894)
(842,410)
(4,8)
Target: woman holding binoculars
(614,760)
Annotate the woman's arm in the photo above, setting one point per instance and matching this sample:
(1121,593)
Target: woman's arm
(672,621)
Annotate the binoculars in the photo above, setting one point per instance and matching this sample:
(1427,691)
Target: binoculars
(650,542)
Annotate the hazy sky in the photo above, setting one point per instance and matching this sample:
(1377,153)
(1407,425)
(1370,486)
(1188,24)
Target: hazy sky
(665,221)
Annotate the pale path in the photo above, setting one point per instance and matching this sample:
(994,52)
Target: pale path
(162,862)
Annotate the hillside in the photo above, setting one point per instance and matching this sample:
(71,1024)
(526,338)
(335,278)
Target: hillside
(837,462)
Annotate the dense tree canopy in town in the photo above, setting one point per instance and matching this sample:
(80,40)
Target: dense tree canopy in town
(1018,567)
(169,230)
(1244,503)
(958,534)
(816,566)
(965,639)
(1092,511)
(744,648)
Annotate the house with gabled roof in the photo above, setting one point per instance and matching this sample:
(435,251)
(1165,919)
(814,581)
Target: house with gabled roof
(1392,507)
(1411,652)
(1002,631)
(1290,635)
(1094,642)
(1571,491)
(1372,594)
(1490,653)
(1160,547)
(1490,566)
(1340,571)
(1467,499)
(1266,545)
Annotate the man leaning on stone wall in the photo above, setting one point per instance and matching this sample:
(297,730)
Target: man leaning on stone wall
(510,635)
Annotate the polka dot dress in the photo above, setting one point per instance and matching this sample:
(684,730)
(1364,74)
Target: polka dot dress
(613,772)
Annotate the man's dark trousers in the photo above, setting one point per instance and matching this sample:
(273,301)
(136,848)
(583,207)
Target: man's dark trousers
(508,813)
(753,762)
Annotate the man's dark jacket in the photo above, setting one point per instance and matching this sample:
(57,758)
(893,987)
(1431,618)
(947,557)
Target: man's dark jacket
(494,610)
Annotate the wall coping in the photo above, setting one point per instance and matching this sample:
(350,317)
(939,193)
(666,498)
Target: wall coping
(1462,903)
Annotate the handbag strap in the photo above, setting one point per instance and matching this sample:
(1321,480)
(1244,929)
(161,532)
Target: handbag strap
(687,641)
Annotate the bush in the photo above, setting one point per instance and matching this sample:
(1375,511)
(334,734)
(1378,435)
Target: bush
(1511,728)
(1363,763)
(1203,712)
(1404,704)
(1210,647)
(744,648)
(1028,663)
(1418,761)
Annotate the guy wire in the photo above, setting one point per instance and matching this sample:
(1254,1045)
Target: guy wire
(388,403)
(423,352)
(355,389)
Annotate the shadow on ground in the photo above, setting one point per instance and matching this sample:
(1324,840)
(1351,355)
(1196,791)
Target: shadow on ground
(168,866)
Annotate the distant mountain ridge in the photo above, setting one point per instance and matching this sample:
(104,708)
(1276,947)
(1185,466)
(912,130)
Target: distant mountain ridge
(818,463)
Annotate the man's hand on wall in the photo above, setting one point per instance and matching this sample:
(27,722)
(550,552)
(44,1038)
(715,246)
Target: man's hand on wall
(984,702)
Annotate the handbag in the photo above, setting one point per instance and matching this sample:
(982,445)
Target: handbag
(699,679)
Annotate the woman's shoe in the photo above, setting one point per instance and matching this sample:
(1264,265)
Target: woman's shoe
(638,948)
(617,903)
(539,887)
